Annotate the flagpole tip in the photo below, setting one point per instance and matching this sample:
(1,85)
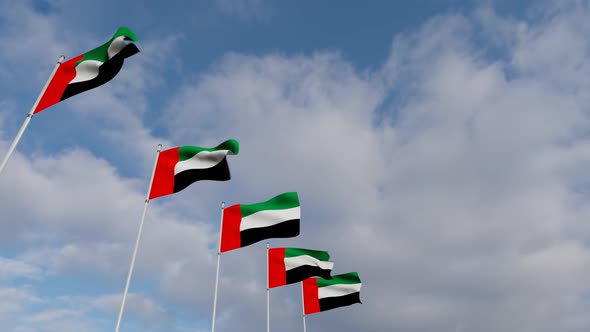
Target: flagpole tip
(159,147)
(222,204)
(61,59)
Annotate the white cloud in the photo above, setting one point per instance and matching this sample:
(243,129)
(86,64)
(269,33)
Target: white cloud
(11,268)
(455,204)
(137,305)
(15,299)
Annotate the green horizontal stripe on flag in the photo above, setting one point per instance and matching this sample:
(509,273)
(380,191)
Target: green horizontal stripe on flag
(101,53)
(346,278)
(281,202)
(127,33)
(187,152)
(319,255)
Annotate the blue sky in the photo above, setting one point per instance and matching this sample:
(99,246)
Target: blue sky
(439,148)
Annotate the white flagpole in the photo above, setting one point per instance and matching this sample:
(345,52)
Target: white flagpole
(147,201)
(217,273)
(303,306)
(267,292)
(29,116)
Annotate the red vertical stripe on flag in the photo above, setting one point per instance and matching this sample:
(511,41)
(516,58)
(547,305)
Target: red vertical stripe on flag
(311,298)
(163,183)
(63,76)
(230,228)
(277,272)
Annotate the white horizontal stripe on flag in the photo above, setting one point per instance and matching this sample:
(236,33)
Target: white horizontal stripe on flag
(338,290)
(266,218)
(201,160)
(116,46)
(86,70)
(293,262)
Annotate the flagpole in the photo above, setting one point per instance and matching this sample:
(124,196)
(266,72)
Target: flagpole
(303,307)
(267,292)
(29,116)
(217,273)
(147,201)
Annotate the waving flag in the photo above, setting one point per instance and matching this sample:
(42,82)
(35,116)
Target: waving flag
(89,70)
(321,294)
(178,167)
(291,265)
(245,224)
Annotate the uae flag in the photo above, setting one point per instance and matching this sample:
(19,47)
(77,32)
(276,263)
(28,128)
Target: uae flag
(178,167)
(291,265)
(244,224)
(89,70)
(321,294)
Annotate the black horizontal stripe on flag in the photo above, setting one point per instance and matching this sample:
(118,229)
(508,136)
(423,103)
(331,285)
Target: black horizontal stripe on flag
(288,228)
(328,303)
(106,72)
(303,272)
(219,172)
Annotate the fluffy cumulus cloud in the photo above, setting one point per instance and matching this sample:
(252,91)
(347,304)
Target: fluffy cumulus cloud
(452,178)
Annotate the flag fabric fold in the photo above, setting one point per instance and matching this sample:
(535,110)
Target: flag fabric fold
(320,294)
(244,225)
(89,70)
(291,265)
(179,167)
